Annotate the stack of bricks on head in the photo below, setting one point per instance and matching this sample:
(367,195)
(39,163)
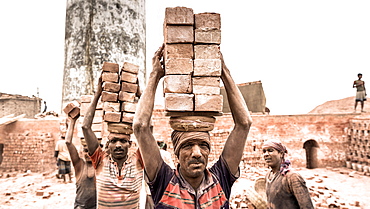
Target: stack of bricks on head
(115,111)
(120,96)
(192,63)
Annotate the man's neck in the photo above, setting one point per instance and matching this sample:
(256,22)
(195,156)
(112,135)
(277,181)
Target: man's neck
(194,182)
(275,169)
(120,161)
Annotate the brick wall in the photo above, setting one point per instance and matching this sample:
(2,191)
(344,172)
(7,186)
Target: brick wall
(329,131)
(358,151)
(29,145)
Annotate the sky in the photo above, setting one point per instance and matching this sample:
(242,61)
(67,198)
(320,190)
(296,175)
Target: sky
(304,52)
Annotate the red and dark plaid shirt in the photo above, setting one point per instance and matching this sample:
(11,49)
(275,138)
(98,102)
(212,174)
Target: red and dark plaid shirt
(170,190)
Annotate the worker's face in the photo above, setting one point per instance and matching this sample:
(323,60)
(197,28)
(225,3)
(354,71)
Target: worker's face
(359,76)
(193,158)
(272,157)
(118,147)
(86,154)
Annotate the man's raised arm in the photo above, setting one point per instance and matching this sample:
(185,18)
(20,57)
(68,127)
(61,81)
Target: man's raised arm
(90,137)
(76,160)
(142,121)
(234,146)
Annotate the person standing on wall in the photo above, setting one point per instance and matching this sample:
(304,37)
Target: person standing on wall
(360,93)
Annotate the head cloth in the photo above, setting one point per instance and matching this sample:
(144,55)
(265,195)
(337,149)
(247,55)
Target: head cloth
(180,137)
(276,145)
(285,164)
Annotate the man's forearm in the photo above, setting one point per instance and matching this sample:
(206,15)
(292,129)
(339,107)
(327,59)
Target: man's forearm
(90,137)
(70,130)
(238,107)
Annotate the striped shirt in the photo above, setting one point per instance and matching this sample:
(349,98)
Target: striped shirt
(170,190)
(115,191)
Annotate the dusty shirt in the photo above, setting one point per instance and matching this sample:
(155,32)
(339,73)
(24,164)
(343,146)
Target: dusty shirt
(114,191)
(85,190)
(288,191)
(63,150)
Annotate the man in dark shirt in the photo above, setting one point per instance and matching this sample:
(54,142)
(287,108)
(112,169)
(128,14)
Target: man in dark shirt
(84,171)
(191,185)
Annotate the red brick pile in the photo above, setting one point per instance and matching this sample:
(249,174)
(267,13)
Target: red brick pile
(192,61)
(116,108)
(120,90)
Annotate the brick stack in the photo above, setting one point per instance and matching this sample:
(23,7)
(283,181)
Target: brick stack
(358,151)
(192,63)
(97,124)
(119,96)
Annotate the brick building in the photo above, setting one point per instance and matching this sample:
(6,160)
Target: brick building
(18,105)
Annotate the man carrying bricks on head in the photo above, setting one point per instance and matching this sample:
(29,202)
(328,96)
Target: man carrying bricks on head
(118,175)
(191,185)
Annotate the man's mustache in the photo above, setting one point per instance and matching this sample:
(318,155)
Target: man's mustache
(194,161)
(119,149)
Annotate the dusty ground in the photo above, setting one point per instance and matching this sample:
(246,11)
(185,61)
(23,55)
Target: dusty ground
(21,190)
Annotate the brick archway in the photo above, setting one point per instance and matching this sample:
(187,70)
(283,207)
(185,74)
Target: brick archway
(311,147)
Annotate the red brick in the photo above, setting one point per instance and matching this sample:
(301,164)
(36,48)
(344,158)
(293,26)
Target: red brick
(206,85)
(111,87)
(128,106)
(129,67)
(207,67)
(206,102)
(70,106)
(209,51)
(178,34)
(109,96)
(179,16)
(126,96)
(112,116)
(127,117)
(99,113)
(96,127)
(99,106)
(111,106)
(178,66)
(110,77)
(122,128)
(179,102)
(177,84)
(207,36)
(86,98)
(128,77)
(110,67)
(178,51)
(207,20)
(129,87)
(75,112)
